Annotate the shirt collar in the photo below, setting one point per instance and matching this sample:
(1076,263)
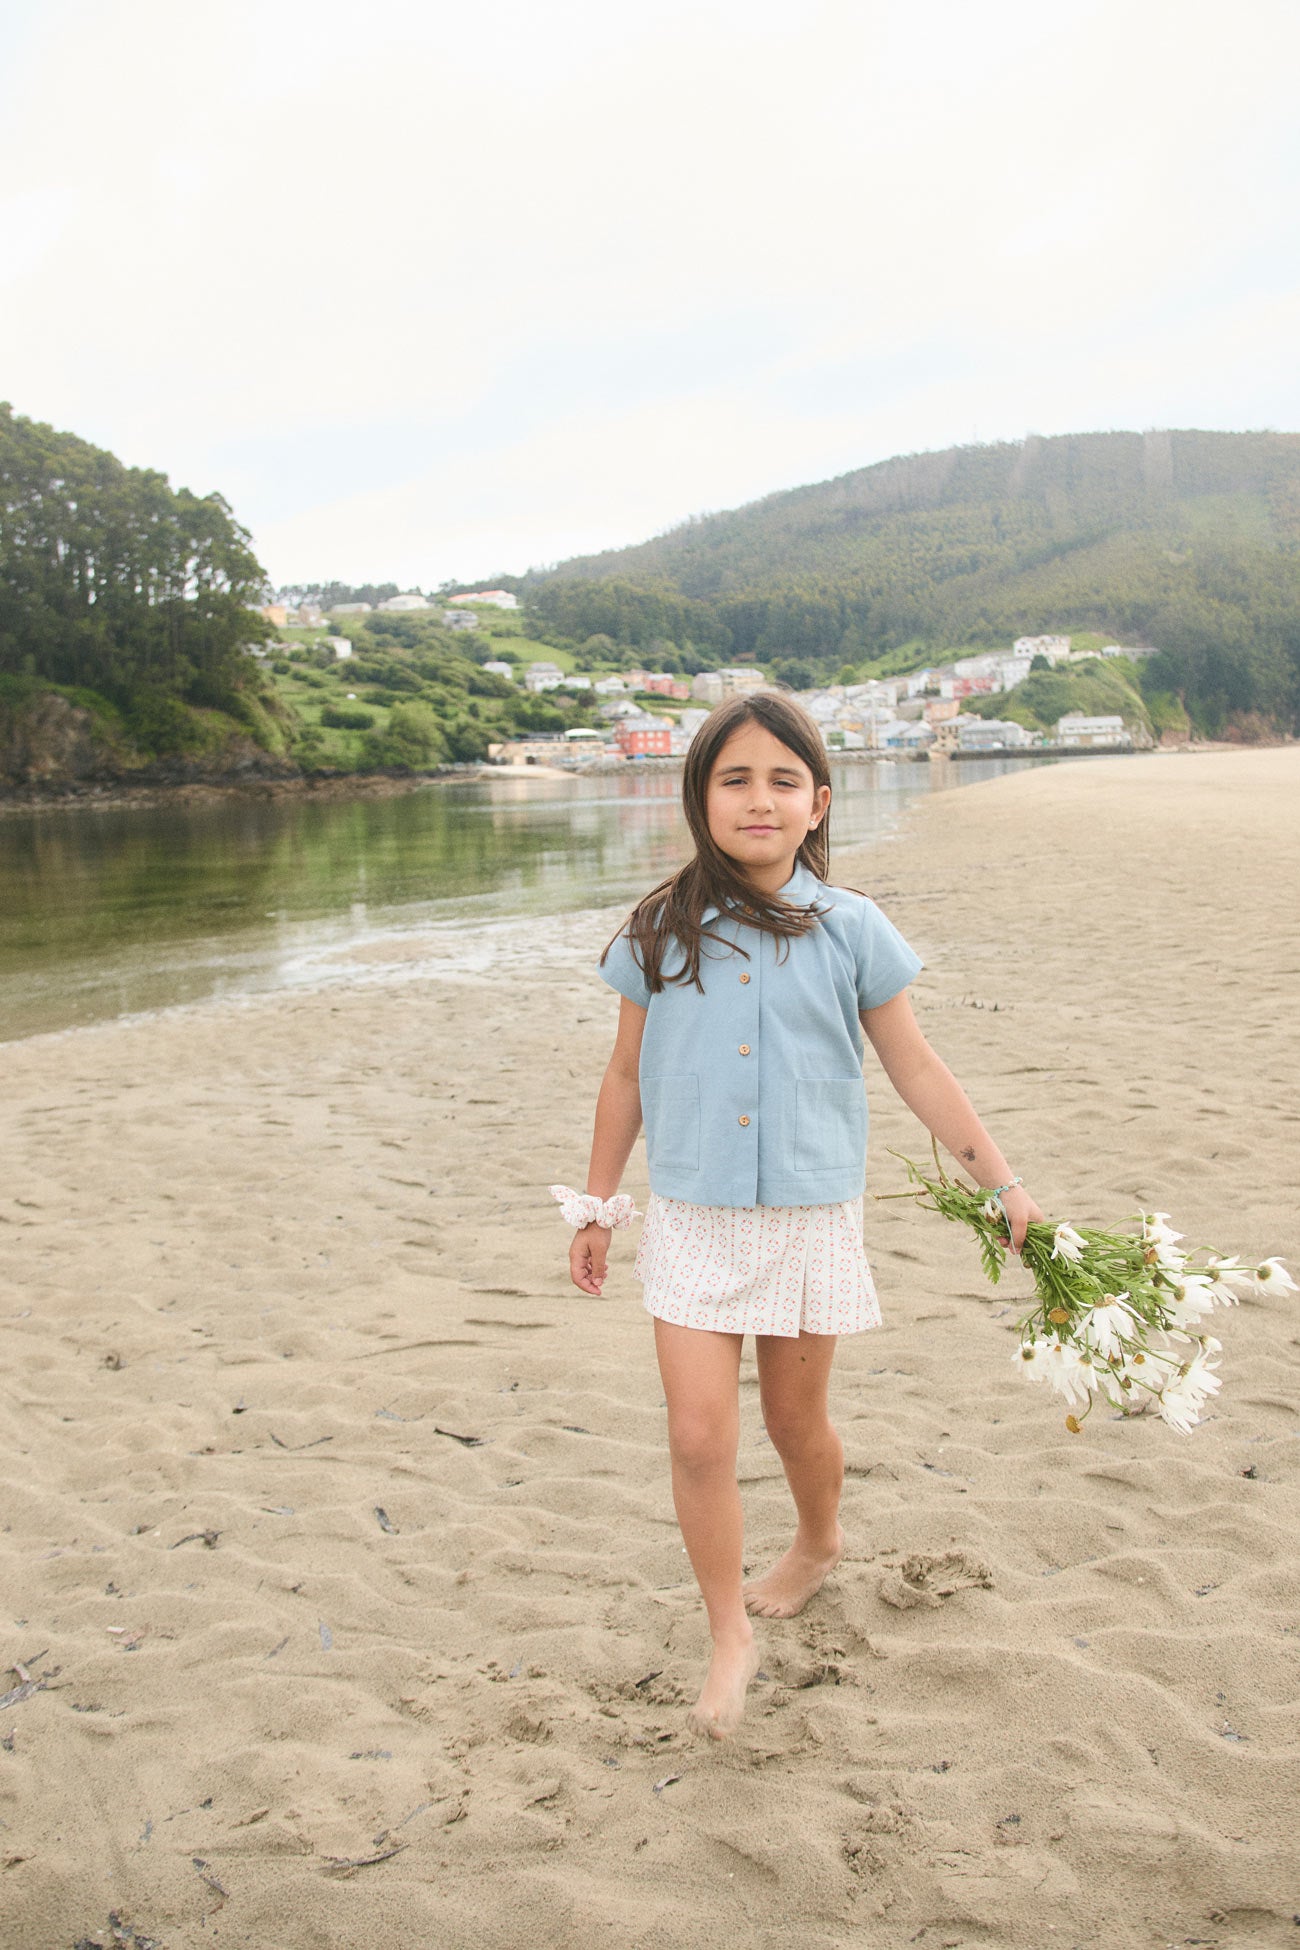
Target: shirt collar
(801,890)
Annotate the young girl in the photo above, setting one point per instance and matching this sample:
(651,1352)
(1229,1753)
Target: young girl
(744,979)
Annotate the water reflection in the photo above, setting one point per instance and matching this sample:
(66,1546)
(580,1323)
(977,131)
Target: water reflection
(105,913)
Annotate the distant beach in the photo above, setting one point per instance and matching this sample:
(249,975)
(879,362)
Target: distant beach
(346,1602)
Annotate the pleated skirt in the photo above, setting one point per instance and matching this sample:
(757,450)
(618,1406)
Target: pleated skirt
(761,1269)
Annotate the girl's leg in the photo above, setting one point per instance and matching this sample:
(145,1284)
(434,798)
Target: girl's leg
(793,1379)
(701,1373)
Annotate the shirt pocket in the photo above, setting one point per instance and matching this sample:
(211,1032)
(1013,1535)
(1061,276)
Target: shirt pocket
(830,1125)
(670,1107)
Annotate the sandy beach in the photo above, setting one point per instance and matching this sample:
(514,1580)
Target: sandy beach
(344,1603)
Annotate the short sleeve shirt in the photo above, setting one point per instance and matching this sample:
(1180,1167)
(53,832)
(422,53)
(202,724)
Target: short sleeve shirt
(751,1090)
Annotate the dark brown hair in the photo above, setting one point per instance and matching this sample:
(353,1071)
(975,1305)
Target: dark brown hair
(673,912)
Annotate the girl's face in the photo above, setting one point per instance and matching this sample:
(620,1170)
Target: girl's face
(761,802)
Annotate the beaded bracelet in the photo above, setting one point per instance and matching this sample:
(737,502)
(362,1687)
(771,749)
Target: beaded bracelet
(995,1196)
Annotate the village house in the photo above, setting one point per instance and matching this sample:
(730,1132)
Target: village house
(660,682)
(543,676)
(1088,733)
(495,598)
(349,609)
(991,735)
(276,614)
(412,600)
(684,731)
(644,736)
(905,735)
(538,750)
(341,646)
(499,669)
(711,686)
(940,710)
(1055,648)
(996,670)
(459,619)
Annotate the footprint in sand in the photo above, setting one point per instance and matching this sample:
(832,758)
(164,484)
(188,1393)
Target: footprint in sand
(922,1580)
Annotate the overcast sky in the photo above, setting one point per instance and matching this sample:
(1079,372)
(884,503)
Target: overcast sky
(433,290)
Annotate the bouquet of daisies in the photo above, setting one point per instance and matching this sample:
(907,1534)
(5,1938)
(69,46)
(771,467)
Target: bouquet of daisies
(1119,1312)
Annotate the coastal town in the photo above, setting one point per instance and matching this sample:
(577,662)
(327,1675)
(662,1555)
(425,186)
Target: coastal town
(921,714)
(918,715)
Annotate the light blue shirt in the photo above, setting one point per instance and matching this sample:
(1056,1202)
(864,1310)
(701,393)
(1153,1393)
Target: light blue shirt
(752,1092)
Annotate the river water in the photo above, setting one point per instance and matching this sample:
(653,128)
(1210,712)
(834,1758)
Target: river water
(115,912)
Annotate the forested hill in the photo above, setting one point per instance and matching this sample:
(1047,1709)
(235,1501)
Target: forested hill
(1186,540)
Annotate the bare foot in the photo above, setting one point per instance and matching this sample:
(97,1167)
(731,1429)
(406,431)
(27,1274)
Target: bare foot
(718,1710)
(791,1582)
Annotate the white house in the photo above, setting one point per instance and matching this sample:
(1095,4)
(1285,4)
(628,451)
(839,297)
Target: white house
(543,677)
(340,645)
(1076,729)
(497,598)
(989,734)
(1003,668)
(410,601)
(1055,648)
(499,669)
(901,735)
(921,680)
(459,619)
(350,609)
(713,685)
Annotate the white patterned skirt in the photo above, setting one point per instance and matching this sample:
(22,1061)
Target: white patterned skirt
(757,1269)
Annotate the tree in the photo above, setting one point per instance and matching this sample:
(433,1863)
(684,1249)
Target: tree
(412,740)
(112,579)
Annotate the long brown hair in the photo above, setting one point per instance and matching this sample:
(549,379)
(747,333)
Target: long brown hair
(673,912)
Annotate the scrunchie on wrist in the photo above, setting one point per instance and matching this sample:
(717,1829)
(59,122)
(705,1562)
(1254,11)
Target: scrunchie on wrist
(580,1209)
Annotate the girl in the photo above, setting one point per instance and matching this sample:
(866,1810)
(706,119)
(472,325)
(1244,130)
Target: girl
(743,980)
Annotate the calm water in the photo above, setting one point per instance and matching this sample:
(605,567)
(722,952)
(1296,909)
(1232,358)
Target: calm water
(109,913)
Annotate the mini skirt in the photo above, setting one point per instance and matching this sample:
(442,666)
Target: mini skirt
(757,1269)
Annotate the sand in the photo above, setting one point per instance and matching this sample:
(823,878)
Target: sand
(335,1533)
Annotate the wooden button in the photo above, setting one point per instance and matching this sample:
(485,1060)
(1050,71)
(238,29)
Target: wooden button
(744,1049)
(744,978)
(742,1120)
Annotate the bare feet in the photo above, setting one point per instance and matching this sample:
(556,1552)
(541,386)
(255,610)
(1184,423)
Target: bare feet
(717,1712)
(791,1582)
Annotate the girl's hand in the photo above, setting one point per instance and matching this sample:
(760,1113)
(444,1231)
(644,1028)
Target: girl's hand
(588,1255)
(1021,1212)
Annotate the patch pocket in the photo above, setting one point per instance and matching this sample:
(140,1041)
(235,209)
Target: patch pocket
(830,1125)
(670,1107)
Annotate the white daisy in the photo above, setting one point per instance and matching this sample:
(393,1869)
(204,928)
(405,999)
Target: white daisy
(1107,1326)
(1029,1360)
(1192,1297)
(1271,1276)
(1067,1243)
(1069,1373)
(1184,1396)
(1157,1229)
(1229,1279)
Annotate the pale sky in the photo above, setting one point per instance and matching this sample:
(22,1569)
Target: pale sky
(433,290)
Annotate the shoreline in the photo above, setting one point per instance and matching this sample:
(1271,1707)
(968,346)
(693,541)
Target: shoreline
(122,795)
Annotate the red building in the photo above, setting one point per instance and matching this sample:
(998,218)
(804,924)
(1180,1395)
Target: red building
(643,741)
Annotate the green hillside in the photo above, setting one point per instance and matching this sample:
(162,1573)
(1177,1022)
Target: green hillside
(1186,540)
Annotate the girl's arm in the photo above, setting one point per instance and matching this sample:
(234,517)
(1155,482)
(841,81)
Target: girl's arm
(930,1090)
(618,1119)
